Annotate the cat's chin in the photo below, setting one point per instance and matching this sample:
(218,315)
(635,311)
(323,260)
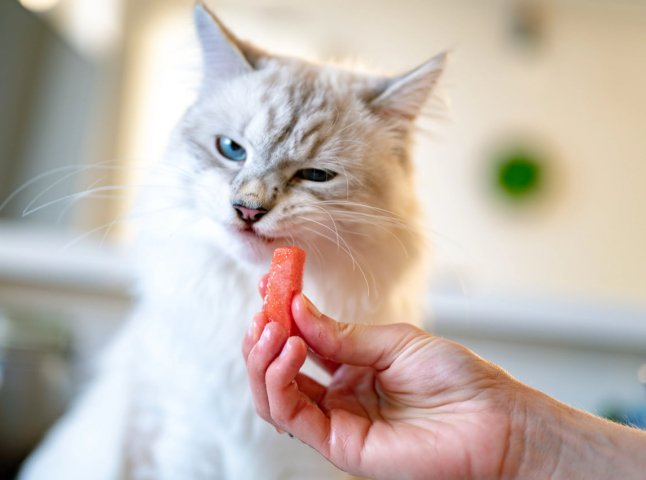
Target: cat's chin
(241,244)
(251,246)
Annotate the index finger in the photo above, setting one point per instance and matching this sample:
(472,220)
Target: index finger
(338,435)
(253,333)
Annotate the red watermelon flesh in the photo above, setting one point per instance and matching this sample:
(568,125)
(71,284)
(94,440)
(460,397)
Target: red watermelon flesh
(285,280)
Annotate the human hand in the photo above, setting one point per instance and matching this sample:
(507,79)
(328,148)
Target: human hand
(405,404)
(401,403)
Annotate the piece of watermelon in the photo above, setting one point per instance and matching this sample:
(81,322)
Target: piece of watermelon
(285,280)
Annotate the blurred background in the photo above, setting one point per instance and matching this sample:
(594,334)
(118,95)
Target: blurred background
(532,165)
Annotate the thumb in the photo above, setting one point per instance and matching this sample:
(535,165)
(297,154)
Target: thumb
(377,346)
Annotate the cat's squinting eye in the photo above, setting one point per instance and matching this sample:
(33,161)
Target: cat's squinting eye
(230,149)
(315,175)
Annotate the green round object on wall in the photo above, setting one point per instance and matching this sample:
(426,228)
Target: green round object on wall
(519,174)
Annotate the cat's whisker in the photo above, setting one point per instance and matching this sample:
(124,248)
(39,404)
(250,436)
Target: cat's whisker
(73,196)
(58,182)
(385,227)
(350,213)
(37,178)
(355,233)
(65,209)
(358,205)
(336,229)
(88,193)
(357,218)
(311,247)
(374,218)
(386,224)
(332,240)
(345,217)
(83,236)
(292,240)
(75,170)
(109,225)
(346,249)
(320,255)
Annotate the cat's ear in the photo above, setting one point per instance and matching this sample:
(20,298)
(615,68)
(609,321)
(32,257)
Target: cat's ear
(224,56)
(404,96)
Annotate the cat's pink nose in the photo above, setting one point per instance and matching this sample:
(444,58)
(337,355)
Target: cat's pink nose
(249,215)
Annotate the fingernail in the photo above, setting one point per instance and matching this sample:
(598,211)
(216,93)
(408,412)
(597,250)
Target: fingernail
(311,308)
(285,351)
(254,331)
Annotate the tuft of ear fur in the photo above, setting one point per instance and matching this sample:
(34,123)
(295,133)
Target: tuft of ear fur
(224,56)
(404,96)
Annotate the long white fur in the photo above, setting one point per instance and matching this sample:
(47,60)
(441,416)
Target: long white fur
(171,399)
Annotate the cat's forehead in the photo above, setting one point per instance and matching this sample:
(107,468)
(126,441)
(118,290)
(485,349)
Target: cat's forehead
(302,85)
(299,108)
(303,91)
(283,90)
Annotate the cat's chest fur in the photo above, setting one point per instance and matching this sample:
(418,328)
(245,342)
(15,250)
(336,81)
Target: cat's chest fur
(191,413)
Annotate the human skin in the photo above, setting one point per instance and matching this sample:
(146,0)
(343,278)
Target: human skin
(404,404)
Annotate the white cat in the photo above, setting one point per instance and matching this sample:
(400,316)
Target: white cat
(274,151)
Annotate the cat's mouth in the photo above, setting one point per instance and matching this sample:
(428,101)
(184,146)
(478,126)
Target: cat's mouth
(248,231)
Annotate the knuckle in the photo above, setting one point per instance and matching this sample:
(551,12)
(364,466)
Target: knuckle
(405,329)
(279,418)
(344,332)
(282,417)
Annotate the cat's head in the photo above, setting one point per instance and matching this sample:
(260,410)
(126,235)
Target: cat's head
(282,151)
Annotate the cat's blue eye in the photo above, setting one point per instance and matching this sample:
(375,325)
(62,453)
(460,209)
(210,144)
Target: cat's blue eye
(315,175)
(230,149)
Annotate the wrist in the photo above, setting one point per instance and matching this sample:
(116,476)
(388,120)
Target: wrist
(592,447)
(552,440)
